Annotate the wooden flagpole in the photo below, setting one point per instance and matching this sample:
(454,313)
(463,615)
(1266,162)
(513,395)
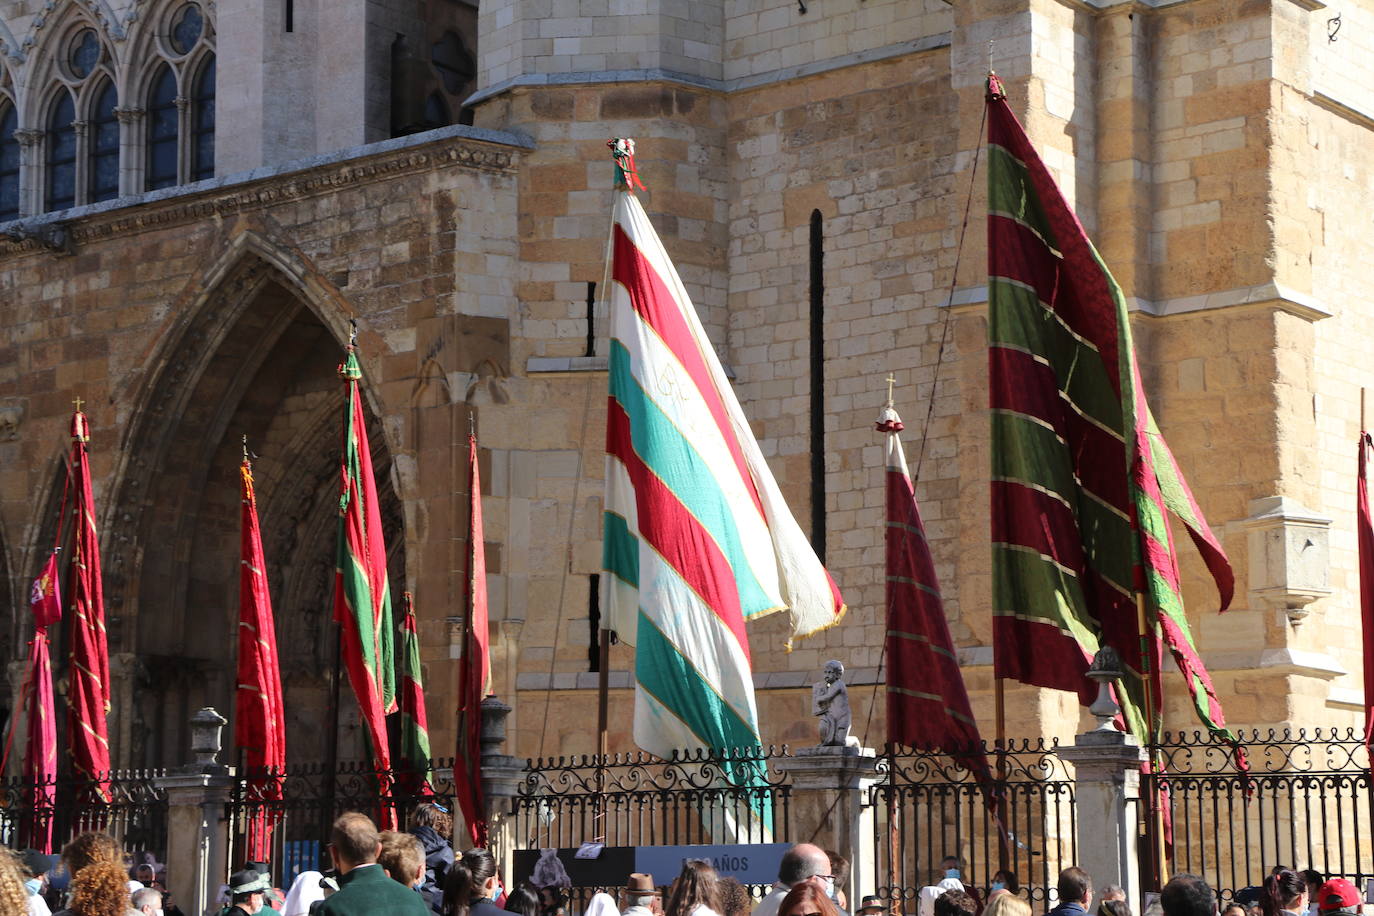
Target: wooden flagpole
(1156,814)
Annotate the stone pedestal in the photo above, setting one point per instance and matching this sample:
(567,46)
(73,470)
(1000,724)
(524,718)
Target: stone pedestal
(501,776)
(1107,793)
(197,834)
(827,802)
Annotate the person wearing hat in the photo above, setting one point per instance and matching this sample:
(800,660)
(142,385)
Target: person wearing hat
(35,867)
(1338,897)
(871,905)
(641,897)
(247,890)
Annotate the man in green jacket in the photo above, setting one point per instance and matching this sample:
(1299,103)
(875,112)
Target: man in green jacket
(364,888)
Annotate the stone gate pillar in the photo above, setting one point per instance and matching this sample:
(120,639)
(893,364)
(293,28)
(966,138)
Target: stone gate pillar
(501,774)
(197,825)
(1107,796)
(828,803)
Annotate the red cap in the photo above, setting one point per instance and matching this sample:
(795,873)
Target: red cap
(1337,894)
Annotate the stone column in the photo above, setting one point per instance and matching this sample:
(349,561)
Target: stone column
(501,775)
(197,825)
(1106,795)
(827,807)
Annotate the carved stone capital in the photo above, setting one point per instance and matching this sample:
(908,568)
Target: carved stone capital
(130,115)
(79,127)
(28,136)
(182,102)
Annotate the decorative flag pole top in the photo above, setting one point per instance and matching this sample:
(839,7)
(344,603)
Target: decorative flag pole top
(888,421)
(81,430)
(349,370)
(996,91)
(626,176)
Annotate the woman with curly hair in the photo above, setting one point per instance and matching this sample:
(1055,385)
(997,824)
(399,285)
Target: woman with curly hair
(100,884)
(14,897)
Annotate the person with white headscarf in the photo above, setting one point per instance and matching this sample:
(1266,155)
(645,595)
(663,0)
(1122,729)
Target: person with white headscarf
(601,904)
(928,895)
(304,891)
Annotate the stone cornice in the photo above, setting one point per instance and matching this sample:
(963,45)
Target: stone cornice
(489,151)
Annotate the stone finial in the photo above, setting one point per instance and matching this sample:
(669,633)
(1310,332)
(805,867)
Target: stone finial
(205,735)
(1106,669)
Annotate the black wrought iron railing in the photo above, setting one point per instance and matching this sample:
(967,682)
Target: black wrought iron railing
(312,796)
(1305,802)
(642,800)
(927,806)
(134,811)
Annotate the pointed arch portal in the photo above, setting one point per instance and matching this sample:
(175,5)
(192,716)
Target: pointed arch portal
(255,360)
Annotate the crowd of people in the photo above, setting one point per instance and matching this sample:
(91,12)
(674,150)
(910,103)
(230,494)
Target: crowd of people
(416,873)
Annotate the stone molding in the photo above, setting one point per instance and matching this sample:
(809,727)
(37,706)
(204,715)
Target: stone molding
(1303,305)
(476,148)
(735,84)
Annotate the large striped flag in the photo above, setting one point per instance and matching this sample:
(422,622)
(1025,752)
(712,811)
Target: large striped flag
(1082,479)
(259,717)
(475,669)
(697,538)
(927,702)
(88,689)
(414,721)
(40,750)
(362,595)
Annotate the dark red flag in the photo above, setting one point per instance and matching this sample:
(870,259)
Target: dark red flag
(40,749)
(88,691)
(475,670)
(1364,526)
(927,702)
(259,720)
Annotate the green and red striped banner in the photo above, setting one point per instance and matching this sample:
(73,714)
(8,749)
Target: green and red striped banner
(1082,480)
(362,595)
(88,691)
(414,720)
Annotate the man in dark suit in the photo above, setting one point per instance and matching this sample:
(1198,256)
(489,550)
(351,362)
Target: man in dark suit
(364,888)
(1075,893)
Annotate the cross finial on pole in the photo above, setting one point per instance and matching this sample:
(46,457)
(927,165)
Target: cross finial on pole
(472,425)
(78,402)
(890,382)
(245,446)
(352,332)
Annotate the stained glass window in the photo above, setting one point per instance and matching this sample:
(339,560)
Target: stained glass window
(62,154)
(9,163)
(85,53)
(103,152)
(162,131)
(203,123)
(187,28)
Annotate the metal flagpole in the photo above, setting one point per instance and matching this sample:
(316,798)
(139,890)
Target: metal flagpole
(1156,814)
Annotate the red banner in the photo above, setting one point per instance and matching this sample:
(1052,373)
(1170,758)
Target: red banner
(475,669)
(259,720)
(88,692)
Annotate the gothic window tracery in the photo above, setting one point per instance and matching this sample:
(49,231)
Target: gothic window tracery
(203,122)
(102,173)
(163,118)
(62,153)
(9,151)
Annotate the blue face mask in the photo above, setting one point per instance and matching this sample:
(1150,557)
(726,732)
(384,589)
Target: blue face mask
(33,885)
(998,886)
(952,873)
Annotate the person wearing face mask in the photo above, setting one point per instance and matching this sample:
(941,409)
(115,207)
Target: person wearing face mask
(147,902)
(472,886)
(1004,882)
(364,888)
(803,862)
(34,866)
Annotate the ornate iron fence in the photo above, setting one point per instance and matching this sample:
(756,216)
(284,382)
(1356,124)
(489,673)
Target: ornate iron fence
(927,806)
(135,813)
(642,800)
(1305,803)
(312,796)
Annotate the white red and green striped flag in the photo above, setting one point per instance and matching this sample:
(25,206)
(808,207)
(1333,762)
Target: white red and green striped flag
(1082,480)
(697,538)
(362,595)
